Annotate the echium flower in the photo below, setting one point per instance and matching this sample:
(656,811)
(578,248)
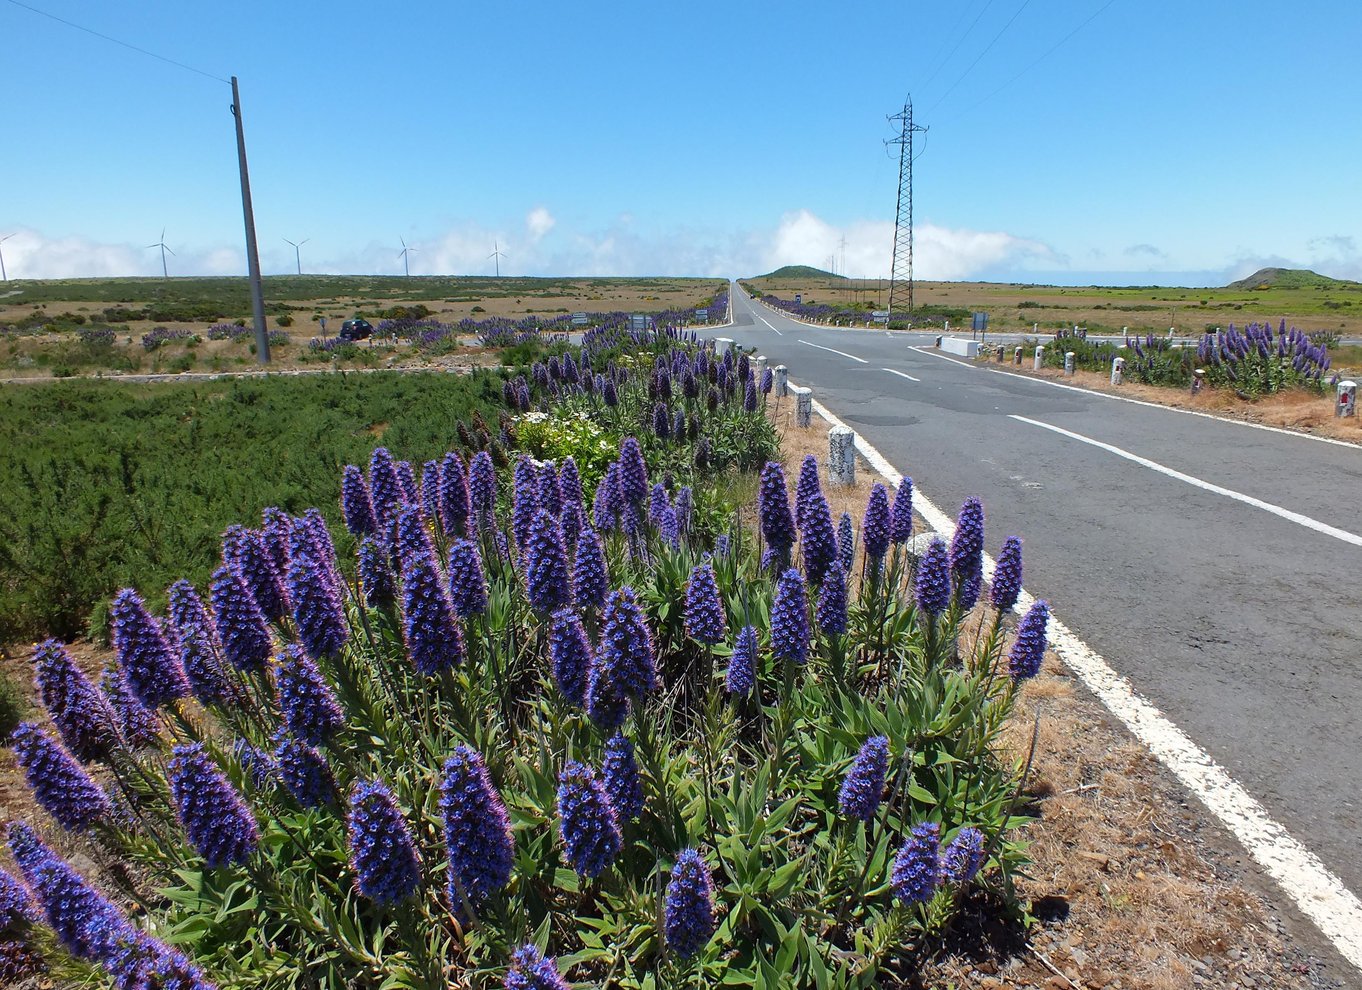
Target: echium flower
(963,856)
(570,522)
(767,380)
(406,480)
(605,507)
(742,665)
(790,619)
(590,582)
(81,714)
(805,487)
(570,482)
(434,641)
(141,962)
(530,970)
(633,473)
(357,508)
(375,576)
(482,488)
(200,649)
(276,529)
(831,610)
(705,619)
(525,502)
(477,829)
(749,396)
(17,909)
(570,655)
(411,538)
(317,610)
(863,786)
(310,709)
(152,670)
(917,870)
(669,528)
(1028,650)
(215,819)
(382,851)
(304,771)
(85,921)
(430,492)
(662,421)
(818,541)
(258,767)
(136,725)
(685,507)
(1007,576)
(933,587)
(59,784)
(846,542)
(876,526)
(467,583)
(689,917)
(901,524)
(587,821)
(773,510)
(384,488)
(241,628)
(550,494)
(548,583)
(455,508)
(967,553)
(625,653)
(658,502)
(620,777)
(245,553)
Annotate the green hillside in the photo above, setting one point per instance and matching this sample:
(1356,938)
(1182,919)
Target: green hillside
(1292,278)
(800,271)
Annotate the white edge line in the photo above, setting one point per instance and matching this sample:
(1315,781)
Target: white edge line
(1291,516)
(768,323)
(901,374)
(1319,894)
(1141,402)
(835,351)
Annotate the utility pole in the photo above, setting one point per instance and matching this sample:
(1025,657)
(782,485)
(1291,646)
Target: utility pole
(262,337)
(901,269)
(4,275)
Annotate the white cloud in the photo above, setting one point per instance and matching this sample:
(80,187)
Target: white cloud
(538,223)
(30,254)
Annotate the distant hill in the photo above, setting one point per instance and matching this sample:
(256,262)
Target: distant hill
(800,271)
(1291,278)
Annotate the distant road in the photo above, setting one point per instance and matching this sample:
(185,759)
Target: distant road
(1213,564)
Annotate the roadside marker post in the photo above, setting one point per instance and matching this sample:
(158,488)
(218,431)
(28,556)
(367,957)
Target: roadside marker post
(761,366)
(842,456)
(782,380)
(1198,380)
(938,340)
(1016,357)
(1069,363)
(1040,357)
(803,404)
(1118,367)
(1347,400)
(1001,352)
(722,345)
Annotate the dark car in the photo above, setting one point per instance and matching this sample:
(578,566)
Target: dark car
(355,330)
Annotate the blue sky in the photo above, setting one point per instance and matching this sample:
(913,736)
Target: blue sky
(1163,142)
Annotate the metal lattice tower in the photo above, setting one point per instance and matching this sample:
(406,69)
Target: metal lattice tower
(901,270)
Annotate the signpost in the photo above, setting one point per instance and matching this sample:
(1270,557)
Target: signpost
(980,324)
(579,319)
(639,321)
(880,315)
(702,315)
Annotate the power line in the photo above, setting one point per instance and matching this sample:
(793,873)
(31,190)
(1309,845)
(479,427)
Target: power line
(959,41)
(986,50)
(116,41)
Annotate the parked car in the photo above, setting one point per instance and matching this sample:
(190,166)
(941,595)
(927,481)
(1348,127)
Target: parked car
(355,330)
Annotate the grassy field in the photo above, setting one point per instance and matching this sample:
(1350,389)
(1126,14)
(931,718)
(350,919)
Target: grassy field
(1308,304)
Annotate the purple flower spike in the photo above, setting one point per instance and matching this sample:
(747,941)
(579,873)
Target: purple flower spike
(689,917)
(633,473)
(863,786)
(962,858)
(477,829)
(767,380)
(818,541)
(375,576)
(1028,650)
(1007,576)
(200,649)
(773,509)
(846,542)
(310,709)
(525,498)
(244,551)
(59,784)
(669,528)
(705,619)
(605,507)
(619,775)
(152,670)
(467,583)
(276,533)
(570,655)
(406,480)
(967,552)
(412,539)
(901,525)
(81,714)
(216,820)
(433,639)
(531,971)
(625,653)
(685,507)
(384,488)
(790,619)
(570,482)
(304,772)
(382,851)
(806,487)
(876,526)
(482,488)
(548,581)
(317,609)
(431,500)
(917,870)
(587,821)
(658,502)
(590,582)
(241,628)
(550,493)
(136,724)
(831,610)
(933,588)
(357,507)
(455,504)
(742,665)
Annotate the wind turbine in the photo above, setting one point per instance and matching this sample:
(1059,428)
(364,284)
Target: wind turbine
(406,269)
(162,245)
(297,256)
(497,253)
(4,275)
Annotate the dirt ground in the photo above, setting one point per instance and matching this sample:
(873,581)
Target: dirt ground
(1134,885)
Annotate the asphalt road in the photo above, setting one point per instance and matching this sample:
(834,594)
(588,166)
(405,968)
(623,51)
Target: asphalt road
(1243,626)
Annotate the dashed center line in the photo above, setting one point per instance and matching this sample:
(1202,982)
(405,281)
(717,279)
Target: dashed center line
(835,351)
(768,323)
(901,374)
(1277,510)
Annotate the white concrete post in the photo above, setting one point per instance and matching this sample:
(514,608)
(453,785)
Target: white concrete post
(1118,367)
(946,326)
(1040,357)
(722,345)
(842,456)
(803,405)
(1016,357)
(1198,380)
(1001,351)
(761,366)
(1347,399)
(938,340)
(782,380)
(1069,363)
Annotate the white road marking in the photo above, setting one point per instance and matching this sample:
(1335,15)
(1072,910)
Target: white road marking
(768,323)
(1320,895)
(1141,402)
(901,374)
(835,351)
(1277,510)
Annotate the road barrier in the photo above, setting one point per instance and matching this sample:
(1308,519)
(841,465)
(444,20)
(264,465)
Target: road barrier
(842,456)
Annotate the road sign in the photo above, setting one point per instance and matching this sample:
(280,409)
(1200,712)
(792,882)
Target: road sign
(639,321)
(702,314)
(579,319)
(980,322)
(799,298)
(880,315)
